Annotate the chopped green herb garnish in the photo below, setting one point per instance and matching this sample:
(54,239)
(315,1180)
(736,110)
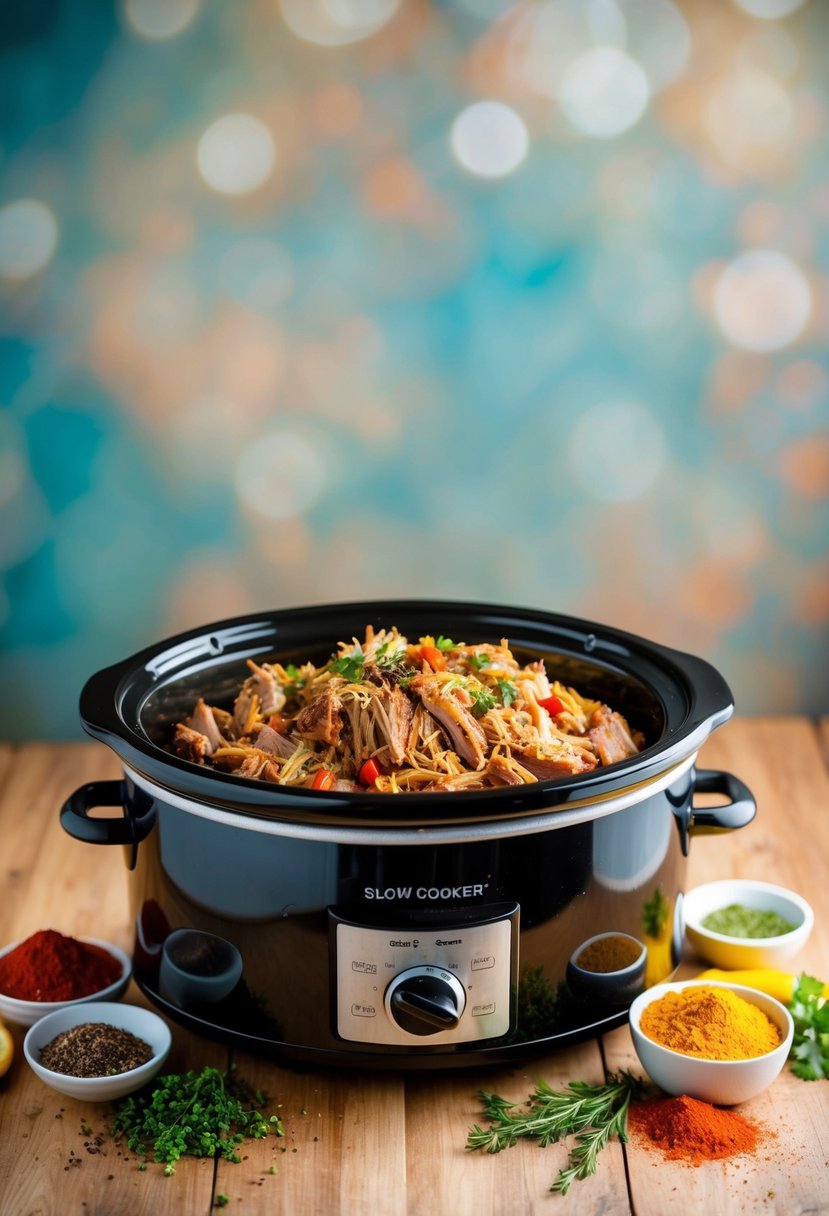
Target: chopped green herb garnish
(350,666)
(298,680)
(445,643)
(508,692)
(478,661)
(482,700)
(206,1114)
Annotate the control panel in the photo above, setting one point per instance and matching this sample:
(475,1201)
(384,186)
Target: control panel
(425,984)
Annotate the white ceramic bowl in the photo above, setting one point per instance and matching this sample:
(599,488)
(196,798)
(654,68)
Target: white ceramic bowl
(26,1013)
(723,1082)
(140,1022)
(736,953)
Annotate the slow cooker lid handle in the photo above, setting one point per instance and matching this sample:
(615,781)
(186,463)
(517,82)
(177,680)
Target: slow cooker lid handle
(738,812)
(122,829)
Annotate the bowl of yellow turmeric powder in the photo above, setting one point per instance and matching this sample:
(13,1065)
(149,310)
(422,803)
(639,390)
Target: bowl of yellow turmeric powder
(721,1043)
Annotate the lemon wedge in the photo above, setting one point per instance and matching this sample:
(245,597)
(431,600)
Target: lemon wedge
(6,1049)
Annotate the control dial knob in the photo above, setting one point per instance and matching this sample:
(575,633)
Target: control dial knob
(425,1000)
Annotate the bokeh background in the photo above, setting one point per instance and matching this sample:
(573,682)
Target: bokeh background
(312,300)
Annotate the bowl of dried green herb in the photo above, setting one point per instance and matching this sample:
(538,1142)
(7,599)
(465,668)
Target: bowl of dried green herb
(742,923)
(98,1051)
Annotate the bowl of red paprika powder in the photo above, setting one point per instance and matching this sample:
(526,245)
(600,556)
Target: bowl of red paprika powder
(48,971)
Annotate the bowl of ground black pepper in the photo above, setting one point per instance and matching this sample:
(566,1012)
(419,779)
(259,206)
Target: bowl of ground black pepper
(98,1051)
(742,923)
(49,970)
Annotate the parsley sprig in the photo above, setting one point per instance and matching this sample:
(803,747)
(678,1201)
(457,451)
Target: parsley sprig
(810,1046)
(593,1113)
(206,1114)
(351,666)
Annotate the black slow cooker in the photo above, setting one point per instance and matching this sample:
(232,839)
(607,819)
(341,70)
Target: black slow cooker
(405,930)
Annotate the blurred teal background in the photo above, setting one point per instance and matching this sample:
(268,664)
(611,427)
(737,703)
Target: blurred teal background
(313,300)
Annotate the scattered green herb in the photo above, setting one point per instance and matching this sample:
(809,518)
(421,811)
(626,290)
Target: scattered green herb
(445,643)
(193,1114)
(508,692)
(810,1047)
(478,661)
(593,1113)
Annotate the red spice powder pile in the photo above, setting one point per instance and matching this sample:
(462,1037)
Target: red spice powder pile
(50,967)
(686,1129)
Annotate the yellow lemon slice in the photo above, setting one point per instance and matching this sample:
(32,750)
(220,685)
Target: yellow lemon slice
(6,1049)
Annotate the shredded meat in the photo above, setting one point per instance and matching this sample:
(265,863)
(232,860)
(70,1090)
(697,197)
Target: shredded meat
(433,716)
(203,720)
(321,719)
(551,760)
(611,736)
(270,740)
(450,707)
(191,744)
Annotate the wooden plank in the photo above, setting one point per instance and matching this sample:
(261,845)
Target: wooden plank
(344,1148)
(56,1154)
(786,1175)
(48,1163)
(394,1143)
(788,843)
(49,880)
(443,1176)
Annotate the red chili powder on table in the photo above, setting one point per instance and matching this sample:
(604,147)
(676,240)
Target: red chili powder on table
(686,1129)
(50,967)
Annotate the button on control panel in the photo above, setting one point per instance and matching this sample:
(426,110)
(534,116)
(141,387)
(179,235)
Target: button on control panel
(424,985)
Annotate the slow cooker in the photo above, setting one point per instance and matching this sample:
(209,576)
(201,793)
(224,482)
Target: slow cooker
(404,930)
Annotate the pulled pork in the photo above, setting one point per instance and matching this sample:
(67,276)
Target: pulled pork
(393,716)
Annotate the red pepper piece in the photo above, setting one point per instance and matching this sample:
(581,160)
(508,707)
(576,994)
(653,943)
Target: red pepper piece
(369,773)
(553,705)
(434,657)
(323,779)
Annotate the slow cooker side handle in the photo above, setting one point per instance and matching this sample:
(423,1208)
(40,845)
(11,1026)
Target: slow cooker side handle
(126,829)
(736,813)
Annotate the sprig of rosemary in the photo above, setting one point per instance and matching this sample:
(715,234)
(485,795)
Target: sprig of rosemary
(593,1113)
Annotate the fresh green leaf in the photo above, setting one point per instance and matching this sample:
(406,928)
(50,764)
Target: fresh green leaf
(482,700)
(508,692)
(446,643)
(810,1013)
(478,661)
(297,680)
(350,666)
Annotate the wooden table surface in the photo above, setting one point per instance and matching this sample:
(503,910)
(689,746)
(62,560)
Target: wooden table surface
(394,1144)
